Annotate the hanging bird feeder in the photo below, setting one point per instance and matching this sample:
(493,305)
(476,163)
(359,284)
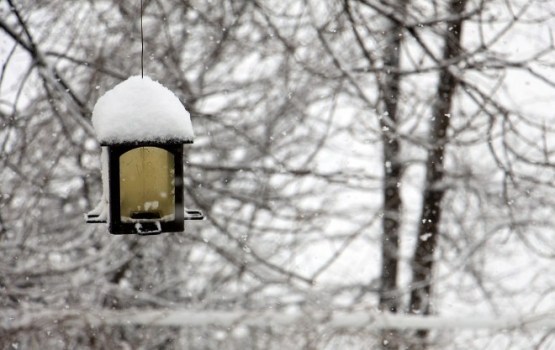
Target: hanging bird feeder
(142,127)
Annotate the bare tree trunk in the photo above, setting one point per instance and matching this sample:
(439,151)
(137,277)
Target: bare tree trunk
(428,231)
(392,170)
(388,85)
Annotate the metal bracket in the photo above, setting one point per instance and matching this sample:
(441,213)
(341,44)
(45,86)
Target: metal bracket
(148,228)
(193,215)
(94,219)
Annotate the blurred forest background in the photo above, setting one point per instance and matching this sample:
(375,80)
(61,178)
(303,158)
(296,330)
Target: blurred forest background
(356,156)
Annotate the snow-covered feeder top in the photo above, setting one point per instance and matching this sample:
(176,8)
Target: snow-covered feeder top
(141,109)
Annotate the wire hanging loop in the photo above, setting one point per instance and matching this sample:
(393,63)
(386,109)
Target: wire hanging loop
(142,43)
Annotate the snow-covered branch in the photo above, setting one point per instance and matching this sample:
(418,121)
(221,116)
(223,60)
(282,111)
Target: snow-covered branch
(337,321)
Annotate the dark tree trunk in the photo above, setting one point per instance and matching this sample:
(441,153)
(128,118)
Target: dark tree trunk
(428,231)
(392,174)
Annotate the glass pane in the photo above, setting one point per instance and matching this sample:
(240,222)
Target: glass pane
(147,188)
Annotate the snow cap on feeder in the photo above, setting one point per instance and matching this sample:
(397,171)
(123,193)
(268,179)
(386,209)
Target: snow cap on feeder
(142,126)
(141,109)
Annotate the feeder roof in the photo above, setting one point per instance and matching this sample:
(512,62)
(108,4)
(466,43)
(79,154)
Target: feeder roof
(141,109)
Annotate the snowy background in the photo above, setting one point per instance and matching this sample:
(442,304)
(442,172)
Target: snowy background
(374,174)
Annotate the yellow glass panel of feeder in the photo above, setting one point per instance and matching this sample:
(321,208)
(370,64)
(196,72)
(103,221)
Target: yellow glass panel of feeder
(147,188)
